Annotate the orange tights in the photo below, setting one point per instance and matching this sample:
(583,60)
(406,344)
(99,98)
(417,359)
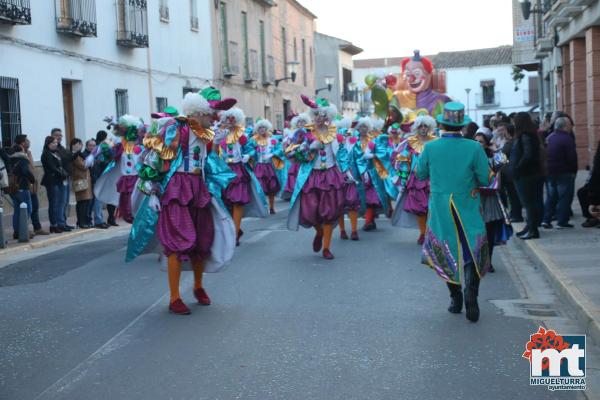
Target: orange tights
(174,274)
(422,221)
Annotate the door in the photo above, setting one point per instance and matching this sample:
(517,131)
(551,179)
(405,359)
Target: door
(286,109)
(67,90)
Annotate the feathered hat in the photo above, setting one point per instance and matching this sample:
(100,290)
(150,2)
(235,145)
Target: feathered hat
(207,101)
(320,106)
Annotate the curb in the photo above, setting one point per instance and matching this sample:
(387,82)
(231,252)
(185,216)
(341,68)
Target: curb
(45,243)
(579,301)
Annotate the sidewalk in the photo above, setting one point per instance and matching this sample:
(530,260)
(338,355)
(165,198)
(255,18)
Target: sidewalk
(571,257)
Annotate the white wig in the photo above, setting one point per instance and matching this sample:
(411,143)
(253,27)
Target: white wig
(194,103)
(263,123)
(302,117)
(130,120)
(330,111)
(235,112)
(377,124)
(424,120)
(366,121)
(344,123)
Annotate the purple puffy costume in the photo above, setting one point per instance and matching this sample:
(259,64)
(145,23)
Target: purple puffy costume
(292,175)
(239,191)
(265,173)
(125,186)
(417,195)
(322,199)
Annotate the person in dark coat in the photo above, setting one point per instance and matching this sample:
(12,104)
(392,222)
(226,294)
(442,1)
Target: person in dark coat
(67,163)
(561,164)
(526,165)
(594,188)
(508,185)
(54,180)
(23,179)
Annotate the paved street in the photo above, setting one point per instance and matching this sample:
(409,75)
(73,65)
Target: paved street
(284,324)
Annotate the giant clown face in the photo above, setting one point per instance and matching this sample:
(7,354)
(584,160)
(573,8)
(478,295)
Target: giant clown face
(417,77)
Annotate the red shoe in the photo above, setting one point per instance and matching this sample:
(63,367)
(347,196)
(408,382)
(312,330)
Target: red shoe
(421,240)
(354,236)
(328,255)
(317,243)
(202,297)
(343,235)
(178,307)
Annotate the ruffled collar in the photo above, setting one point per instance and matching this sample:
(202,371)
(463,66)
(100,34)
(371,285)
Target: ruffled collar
(234,135)
(418,145)
(262,140)
(324,137)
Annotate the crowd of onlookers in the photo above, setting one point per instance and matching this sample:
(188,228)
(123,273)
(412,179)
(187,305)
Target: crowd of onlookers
(65,170)
(538,184)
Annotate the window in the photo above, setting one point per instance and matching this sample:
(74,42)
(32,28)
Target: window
(270,69)
(224,41)
(76,17)
(304,69)
(163,10)
(532,93)
(15,12)
(284,50)
(132,18)
(263,56)
(348,95)
(10,110)
(247,76)
(234,62)
(311,59)
(295,50)
(161,104)
(194,23)
(487,92)
(254,73)
(279,121)
(122,102)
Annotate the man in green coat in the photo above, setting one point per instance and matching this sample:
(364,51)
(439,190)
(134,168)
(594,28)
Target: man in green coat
(455,240)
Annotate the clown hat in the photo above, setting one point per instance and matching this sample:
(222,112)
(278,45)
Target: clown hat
(454,115)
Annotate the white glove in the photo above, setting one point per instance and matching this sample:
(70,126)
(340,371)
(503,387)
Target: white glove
(245,158)
(368,156)
(316,145)
(89,161)
(395,179)
(350,177)
(365,177)
(154,203)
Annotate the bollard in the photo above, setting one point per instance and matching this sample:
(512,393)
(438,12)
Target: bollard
(23,223)
(2,241)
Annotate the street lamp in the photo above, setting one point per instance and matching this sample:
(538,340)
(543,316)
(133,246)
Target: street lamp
(328,82)
(468,90)
(527,9)
(291,70)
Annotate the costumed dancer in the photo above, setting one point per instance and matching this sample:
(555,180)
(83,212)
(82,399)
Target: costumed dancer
(497,224)
(297,125)
(129,132)
(414,196)
(455,240)
(182,180)
(352,186)
(268,158)
(244,195)
(317,201)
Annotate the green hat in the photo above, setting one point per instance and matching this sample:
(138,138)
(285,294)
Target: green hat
(454,115)
(213,96)
(321,102)
(172,111)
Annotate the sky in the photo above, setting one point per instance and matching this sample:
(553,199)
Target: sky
(394,28)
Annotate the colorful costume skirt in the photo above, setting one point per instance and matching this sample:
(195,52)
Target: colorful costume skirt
(265,173)
(125,186)
(185,224)
(417,195)
(322,198)
(239,191)
(351,197)
(371,197)
(290,184)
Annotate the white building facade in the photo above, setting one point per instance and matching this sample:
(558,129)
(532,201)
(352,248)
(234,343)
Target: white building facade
(481,79)
(78,61)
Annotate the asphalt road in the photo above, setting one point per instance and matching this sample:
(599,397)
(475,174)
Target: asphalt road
(284,324)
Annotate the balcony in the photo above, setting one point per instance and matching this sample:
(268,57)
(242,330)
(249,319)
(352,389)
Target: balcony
(76,17)
(163,12)
(487,100)
(15,12)
(132,20)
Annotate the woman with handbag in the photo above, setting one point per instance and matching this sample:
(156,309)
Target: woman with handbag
(82,184)
(54,179)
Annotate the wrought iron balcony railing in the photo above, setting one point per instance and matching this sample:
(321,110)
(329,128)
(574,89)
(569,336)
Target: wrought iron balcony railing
(132,20)
(15,12)
(76,17)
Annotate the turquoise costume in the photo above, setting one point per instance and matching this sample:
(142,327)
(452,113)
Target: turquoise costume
(456,232)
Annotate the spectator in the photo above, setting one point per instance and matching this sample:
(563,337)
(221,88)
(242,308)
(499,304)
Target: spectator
(88,153)
(96,172)
(526,165)
(82,184)
(24,142)
(4,171)
(561,165)
(594,187)
(54,181)
(501,136)
(67,161)
(583,194)
(470,130)
(23,178)
(508,189)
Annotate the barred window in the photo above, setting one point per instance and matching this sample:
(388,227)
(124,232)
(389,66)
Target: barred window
(161,104)
(122,101)
(10,111)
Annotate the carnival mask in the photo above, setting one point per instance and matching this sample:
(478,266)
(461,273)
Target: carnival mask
(417,77)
